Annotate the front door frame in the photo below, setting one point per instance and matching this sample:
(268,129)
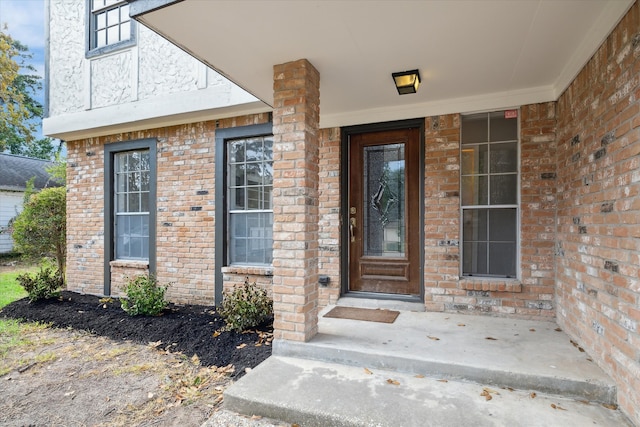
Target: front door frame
(346,133)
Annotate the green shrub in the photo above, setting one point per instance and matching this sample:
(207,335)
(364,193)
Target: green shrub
(44,284)
(245,307)
(144,296)
(40,230)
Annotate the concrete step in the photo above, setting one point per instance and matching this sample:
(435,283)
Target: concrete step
(521,354)
(316,393)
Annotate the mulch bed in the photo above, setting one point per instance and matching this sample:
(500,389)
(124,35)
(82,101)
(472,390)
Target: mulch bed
(188,329)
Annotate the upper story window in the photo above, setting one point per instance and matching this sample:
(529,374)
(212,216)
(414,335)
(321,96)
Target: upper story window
(489,194)
(110,26)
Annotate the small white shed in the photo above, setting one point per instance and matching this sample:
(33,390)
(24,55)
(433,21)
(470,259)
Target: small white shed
(15,171)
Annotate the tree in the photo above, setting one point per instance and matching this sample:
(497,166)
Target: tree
(58,170)
(40,229)
(18,107)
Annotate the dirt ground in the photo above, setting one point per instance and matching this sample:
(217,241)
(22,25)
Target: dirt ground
(98,366)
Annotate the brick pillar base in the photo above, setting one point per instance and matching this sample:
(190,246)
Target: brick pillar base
(295,200)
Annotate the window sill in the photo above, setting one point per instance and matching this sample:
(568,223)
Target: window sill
(127,263)
(490,284)
(112,48)
(248,269)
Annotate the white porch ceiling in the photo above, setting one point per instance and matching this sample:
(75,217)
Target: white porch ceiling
(472,54)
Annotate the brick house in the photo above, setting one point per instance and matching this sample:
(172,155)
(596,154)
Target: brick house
(507,185)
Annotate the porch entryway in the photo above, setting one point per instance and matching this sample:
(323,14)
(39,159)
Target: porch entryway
(430,369)
(383,216)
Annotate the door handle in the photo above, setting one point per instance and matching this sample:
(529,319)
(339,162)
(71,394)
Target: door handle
(352,229)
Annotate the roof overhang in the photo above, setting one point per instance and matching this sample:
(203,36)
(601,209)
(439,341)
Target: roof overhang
(472,55)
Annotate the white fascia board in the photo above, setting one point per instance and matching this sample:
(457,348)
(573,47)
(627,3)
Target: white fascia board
(485,102)
(170,110)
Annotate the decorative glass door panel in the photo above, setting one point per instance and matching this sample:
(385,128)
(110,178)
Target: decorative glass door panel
(383,227)
(384,213)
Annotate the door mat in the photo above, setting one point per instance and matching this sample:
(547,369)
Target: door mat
(367,314)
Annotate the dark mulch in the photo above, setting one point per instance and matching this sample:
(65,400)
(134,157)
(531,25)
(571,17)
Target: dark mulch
(188,329)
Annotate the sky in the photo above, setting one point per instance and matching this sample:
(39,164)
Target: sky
(25,22)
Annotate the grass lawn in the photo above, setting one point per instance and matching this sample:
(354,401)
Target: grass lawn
(12,332)
(10,291)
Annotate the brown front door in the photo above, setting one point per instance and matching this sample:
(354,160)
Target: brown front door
(384,212)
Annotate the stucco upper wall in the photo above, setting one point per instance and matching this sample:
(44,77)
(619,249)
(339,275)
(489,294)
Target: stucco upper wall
(66,56)
(137,80)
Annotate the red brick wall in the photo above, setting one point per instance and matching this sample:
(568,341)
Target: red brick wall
(598,280)
(85,216)
(185,211)
(329,215)
(442,215)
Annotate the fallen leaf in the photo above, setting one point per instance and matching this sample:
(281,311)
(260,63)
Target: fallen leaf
(217,333)
(611,406)
(488,390)
(433,338)
(532,330)
(155,344)
(558,407)
(368,372)
(243,345)
(256,417)
(509,388)
(581,349)
(575,344)
(419,376)
(558,330)
(533,395)
(394,382)
(589,359)
(491,338)
(486,395)
(461,324)
(443,381)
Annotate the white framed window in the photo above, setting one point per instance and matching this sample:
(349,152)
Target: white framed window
(250,211)
(489,194)
(109,26)
(132,183)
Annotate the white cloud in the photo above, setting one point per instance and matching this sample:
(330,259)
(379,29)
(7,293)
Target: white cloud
(25,19)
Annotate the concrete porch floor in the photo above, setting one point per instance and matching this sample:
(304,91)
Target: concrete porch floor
(429,369)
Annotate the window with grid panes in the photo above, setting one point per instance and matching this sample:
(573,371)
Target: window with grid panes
(131,204)
(489,194)
(109,24)
(250,221)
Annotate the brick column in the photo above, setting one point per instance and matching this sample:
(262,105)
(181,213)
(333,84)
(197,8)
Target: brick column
(295,200)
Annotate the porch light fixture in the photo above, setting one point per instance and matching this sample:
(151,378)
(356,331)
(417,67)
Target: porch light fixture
(407,81)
